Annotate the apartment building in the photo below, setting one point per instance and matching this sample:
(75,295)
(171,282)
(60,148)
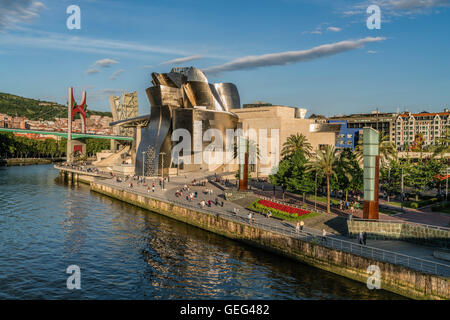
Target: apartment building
(415,130)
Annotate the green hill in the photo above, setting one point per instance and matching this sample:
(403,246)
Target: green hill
(35,109)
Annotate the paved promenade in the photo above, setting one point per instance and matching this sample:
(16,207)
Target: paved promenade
(400,252)
(422,216)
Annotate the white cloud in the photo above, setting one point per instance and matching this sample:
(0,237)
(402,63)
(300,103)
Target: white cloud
(414,4)
(334,29)
(66,42)
(372,52)
(283,58)
(105,63)
(182,60)
(14,12)
(397,8)
(99,64)
(92,71)
(116,74)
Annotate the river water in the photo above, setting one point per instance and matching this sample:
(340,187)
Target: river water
(128,253)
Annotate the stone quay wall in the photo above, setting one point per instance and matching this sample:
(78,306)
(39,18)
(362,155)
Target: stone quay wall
(394,278)
(401,231)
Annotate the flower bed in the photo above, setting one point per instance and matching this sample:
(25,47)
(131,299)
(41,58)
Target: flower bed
(282,207)
(281,211)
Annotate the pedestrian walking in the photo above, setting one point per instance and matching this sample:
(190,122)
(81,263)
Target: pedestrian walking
(302,223)
(297,227)
(364,237)
(324,235)
(250,217)
(360,236)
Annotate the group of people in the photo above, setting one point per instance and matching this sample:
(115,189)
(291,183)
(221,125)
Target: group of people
(203,203)
(200,182)
(352,206)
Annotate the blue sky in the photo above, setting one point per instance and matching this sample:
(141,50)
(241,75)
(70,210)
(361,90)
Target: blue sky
(336,64)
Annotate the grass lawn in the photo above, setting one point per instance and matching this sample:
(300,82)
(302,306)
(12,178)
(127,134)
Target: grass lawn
(276,213)
(324,199)
(389,212)
(395,203)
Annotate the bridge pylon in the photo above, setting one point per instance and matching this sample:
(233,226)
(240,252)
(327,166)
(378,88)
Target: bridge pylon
(74,146)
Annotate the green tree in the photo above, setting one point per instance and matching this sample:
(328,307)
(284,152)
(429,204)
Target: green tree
(442,145)
(386,149)
(349,175)
(326,162)
(294,143)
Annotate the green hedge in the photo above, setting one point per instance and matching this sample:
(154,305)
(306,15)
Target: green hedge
(255,206)
(442,207)
(421,203)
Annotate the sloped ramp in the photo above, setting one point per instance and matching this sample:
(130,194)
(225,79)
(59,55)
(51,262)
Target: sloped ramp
(113,159)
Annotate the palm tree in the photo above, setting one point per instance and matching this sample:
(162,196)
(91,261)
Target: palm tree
(350,167)
(442,144)
(325,162)
(296,142)
(387,150)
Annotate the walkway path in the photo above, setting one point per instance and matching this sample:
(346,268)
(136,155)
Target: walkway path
(395,249)
(409,215)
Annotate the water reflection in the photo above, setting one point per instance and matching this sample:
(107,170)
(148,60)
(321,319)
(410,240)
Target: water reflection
(128,253)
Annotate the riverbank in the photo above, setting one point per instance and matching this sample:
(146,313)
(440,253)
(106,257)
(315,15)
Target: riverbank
(26,161)
(301,247)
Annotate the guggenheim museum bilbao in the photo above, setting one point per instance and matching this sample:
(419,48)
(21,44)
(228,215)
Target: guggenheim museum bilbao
(194,125)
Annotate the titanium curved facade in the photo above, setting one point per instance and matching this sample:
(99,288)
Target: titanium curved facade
(182,99)
(229,95)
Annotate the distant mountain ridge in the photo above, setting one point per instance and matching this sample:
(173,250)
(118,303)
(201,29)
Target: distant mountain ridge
(32,109)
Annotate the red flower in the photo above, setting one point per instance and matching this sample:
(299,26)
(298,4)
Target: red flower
(282,207)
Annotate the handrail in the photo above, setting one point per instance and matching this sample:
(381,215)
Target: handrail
(361,250)
(406,222)
(76,169)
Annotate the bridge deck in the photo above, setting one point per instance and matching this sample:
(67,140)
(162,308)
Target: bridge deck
(64,134)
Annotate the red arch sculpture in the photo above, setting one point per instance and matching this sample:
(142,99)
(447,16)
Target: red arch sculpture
(73,110)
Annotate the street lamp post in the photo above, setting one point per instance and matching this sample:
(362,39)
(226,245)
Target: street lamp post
(403,195)
(446,187)
(143,162)
(315,193)
(402,190)
(162,167)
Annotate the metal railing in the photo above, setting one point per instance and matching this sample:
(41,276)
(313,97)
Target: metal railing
(405,222)
(82,170)
(422,265)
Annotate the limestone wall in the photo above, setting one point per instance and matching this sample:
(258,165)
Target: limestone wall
(394,278)
(401,231)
